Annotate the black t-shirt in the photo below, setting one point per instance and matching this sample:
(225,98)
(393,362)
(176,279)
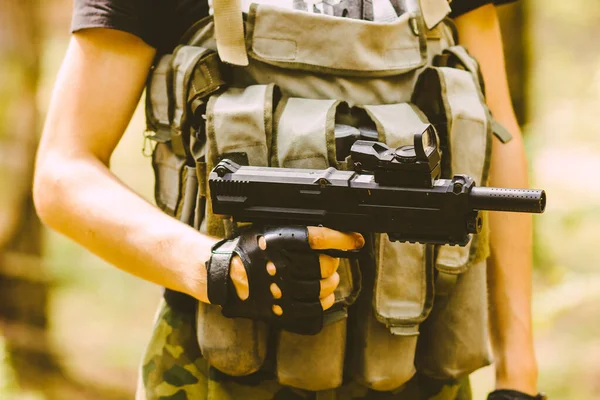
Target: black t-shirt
(161,23)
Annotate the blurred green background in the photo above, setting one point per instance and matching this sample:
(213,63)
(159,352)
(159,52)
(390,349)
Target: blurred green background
(98,319)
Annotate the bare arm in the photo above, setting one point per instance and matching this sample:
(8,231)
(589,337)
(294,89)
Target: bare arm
(75,193)
(510,264)
(96,92)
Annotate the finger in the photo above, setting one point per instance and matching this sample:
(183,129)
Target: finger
(277,310)
(328,265)
(237,272)
(328,285)
(275,291)
(320,238)
(327,302)
(271,269)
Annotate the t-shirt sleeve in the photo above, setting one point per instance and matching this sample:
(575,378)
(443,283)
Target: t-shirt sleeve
(460,7)
(123,15)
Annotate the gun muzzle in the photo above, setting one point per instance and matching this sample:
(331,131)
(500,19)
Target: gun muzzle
(501,199)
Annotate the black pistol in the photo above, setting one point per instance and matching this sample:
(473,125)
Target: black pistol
(393,191)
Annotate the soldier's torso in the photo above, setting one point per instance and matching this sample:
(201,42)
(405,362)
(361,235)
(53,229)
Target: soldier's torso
(402,307)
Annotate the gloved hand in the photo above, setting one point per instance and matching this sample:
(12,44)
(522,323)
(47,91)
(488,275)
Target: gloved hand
(289,283)
(505,394)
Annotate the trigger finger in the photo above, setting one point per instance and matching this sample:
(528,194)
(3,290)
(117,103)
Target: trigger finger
(321,238)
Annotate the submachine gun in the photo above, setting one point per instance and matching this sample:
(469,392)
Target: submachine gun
(394,191)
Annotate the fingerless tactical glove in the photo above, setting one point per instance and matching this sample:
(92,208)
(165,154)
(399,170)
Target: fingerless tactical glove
(504,394)
(298,276)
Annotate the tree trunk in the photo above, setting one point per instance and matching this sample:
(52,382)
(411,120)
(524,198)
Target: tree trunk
(23,287)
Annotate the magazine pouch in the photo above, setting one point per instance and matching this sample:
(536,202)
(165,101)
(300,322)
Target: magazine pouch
(399,295)
(304,138)
(454,339)
(239,127)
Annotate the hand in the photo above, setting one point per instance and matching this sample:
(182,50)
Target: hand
(504,394)
(319,239)
(277,275)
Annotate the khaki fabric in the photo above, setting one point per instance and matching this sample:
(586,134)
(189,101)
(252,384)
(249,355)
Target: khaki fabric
(434,11)
(377,86)
(303,131)
(455,339)
(179,75)
(168,175)
(304,138)
(452,99)
(403,284)
(239,122)
(229,31)
(314,363)
(158,93)
(235,346)
(183,63)
(468,140)
(384,361)
(288,39)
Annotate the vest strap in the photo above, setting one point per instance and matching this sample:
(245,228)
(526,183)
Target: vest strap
(207,79)
(229,31)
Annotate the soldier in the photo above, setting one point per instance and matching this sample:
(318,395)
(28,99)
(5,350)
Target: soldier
(113,47)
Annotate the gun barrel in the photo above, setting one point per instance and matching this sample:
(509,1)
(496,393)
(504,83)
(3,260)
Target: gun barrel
(501,199)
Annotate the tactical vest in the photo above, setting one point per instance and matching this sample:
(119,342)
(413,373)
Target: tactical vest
(267,87)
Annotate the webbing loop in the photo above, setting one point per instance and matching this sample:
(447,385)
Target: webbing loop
(229,31)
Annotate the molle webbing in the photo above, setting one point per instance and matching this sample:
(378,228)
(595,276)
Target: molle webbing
(178,87)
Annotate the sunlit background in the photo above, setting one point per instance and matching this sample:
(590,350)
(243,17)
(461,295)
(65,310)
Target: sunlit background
(73,327)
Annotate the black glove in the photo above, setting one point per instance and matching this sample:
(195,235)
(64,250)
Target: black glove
(298,276)
(504,394)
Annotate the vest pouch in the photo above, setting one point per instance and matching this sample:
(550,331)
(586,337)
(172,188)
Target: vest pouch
(453,101)
(157,100)
(401,287)
(169,170)
(454,340)
(178,86)
(304,138)
(238,125)
(317,362)
(311,55)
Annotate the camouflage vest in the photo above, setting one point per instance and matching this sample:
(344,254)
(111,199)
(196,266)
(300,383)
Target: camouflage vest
(267,87)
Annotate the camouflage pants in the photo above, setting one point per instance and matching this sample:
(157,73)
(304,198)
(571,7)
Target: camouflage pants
(173,369)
